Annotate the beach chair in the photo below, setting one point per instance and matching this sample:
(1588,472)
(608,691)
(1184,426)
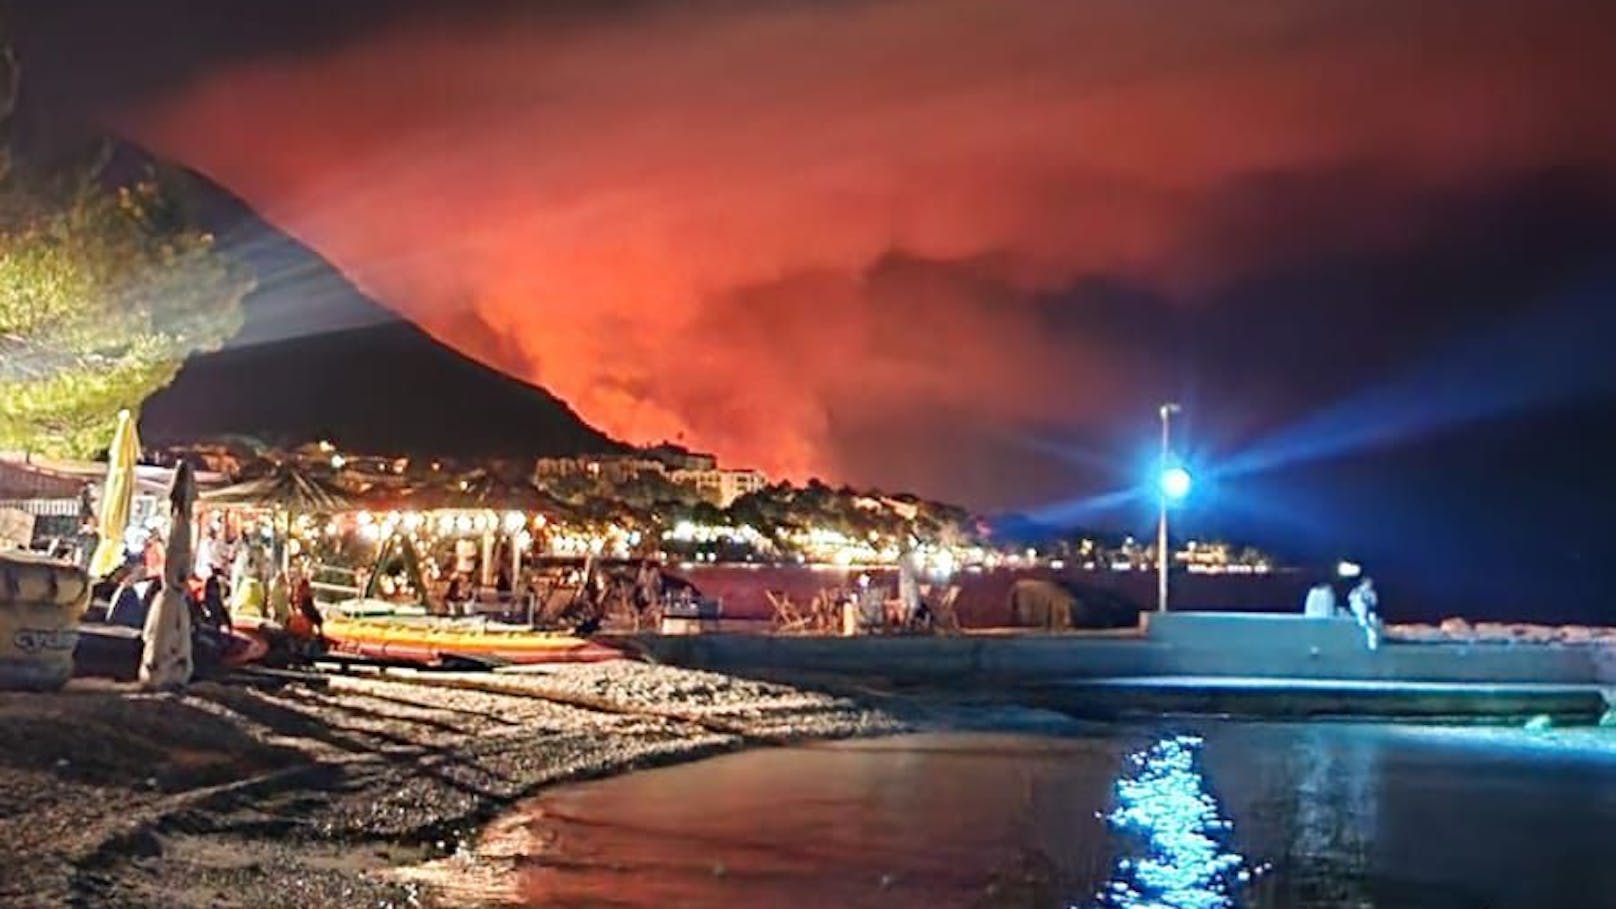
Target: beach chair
(825,616)
(943,617)
(788,618)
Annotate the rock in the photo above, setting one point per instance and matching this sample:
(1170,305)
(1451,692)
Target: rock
(1575,634)
(1608,721)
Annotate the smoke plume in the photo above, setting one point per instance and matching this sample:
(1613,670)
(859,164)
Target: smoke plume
(817,238)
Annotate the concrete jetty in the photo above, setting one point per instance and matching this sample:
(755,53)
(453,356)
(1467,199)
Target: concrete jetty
(1194,662)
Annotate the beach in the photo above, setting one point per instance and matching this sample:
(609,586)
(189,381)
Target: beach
(397,788)
(316,792)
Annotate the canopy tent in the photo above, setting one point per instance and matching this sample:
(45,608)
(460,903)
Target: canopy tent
(287,490)
(117,498)
(287,487)
(506,505)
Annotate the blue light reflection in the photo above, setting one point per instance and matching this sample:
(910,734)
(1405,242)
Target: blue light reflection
(1179,855)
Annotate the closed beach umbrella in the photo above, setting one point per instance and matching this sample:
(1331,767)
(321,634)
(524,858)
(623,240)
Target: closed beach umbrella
(117,498)
(165,660)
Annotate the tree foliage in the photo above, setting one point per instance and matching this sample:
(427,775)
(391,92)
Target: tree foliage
(103,293)
(102,296)
(857,514)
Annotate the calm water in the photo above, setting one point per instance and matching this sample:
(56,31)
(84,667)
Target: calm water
(1202,817)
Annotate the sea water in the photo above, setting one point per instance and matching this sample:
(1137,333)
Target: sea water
(1202,816)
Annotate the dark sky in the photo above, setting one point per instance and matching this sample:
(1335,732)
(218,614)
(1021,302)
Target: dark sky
(963,247)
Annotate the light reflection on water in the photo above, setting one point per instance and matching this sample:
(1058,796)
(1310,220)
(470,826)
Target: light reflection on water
(1165,810)
(1124,818)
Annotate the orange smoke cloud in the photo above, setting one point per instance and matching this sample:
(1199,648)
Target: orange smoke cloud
(765,228)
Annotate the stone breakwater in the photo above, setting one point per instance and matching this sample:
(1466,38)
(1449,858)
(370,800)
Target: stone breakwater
(1461,631)
(313,794)
(1599,641)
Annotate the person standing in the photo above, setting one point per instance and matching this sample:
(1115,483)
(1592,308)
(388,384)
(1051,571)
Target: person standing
(1320,601)
(153,553)
(88,534)
(909,604)
(306,623)
(1365,604)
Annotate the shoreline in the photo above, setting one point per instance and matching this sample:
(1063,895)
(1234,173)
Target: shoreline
(326,793)
(380,789)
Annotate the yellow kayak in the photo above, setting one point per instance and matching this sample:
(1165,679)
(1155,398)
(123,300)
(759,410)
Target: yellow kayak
(434,641)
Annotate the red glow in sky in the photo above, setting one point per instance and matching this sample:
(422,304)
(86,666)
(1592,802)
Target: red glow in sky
(802,236)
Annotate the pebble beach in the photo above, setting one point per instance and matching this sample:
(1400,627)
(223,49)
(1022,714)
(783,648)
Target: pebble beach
(324,792)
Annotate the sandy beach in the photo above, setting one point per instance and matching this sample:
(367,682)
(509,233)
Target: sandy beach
(316,793)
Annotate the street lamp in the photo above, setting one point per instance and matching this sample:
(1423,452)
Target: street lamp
(1173,484)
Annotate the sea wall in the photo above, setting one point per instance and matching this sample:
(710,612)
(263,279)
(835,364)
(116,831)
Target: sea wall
(1227,645)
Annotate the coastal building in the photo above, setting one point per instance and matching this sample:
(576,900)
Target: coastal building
(1222,558)
(611,468)
(37,500)
(663,460)
(57,493)
(719,486)
(677,457)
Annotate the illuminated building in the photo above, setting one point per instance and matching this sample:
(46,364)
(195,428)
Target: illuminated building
(610,468)
(721,486)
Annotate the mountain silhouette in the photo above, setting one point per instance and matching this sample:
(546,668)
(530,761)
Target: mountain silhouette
(317,359)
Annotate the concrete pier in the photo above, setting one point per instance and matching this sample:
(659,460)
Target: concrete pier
(1193,662)
(1270,698)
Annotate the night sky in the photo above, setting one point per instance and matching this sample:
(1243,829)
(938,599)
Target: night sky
(966,247)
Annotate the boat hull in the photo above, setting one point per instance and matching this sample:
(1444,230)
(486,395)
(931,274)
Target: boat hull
(430,642)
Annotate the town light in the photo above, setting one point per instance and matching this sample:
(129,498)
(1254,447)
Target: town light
(1176,483)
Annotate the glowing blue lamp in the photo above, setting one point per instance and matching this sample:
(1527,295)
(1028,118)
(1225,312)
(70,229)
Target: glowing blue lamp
(1176,483)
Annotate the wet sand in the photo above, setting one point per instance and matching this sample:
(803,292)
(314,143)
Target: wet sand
(315,794)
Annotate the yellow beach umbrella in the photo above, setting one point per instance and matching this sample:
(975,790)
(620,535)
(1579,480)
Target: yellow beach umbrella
(117,498)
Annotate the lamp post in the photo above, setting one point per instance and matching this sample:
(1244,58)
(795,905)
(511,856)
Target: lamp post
(1173,484)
